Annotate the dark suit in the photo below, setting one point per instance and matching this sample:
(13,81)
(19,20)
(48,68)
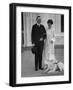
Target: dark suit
(38,32)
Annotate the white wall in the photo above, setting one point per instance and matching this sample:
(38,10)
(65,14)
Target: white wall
(4,45)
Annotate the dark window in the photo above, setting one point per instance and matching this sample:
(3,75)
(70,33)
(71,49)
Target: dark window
(22,28)
(62,23)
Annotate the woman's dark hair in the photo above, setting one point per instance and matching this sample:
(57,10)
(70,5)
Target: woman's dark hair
(50,21)
(37,17)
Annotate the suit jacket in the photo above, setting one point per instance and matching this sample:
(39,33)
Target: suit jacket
(37,33)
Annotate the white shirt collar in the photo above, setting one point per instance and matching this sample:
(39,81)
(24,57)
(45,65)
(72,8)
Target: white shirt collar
(38,24)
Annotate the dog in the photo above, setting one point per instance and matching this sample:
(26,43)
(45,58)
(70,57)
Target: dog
(53,66)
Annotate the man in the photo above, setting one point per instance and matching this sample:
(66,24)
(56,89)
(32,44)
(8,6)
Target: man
(38,36)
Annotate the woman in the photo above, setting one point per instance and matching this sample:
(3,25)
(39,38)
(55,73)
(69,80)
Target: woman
(50,62)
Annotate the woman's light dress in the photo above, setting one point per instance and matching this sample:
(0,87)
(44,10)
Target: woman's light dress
(49,51)
(49,60)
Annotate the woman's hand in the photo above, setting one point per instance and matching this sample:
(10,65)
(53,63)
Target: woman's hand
(52,40)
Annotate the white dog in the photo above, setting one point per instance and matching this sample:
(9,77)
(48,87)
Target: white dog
(53,65)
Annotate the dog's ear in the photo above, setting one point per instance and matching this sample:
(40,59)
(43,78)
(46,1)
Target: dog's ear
(45,66)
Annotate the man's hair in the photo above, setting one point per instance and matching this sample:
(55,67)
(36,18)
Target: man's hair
(50,21)
(37,17)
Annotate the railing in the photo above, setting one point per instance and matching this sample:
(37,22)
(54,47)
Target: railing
(59,39)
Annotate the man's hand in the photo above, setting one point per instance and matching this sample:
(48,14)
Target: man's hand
(33,44)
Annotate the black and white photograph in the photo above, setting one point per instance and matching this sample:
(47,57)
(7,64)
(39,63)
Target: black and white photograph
(40,40)
(42,44)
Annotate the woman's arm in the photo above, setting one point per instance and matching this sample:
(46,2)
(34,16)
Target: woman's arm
(53,39)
